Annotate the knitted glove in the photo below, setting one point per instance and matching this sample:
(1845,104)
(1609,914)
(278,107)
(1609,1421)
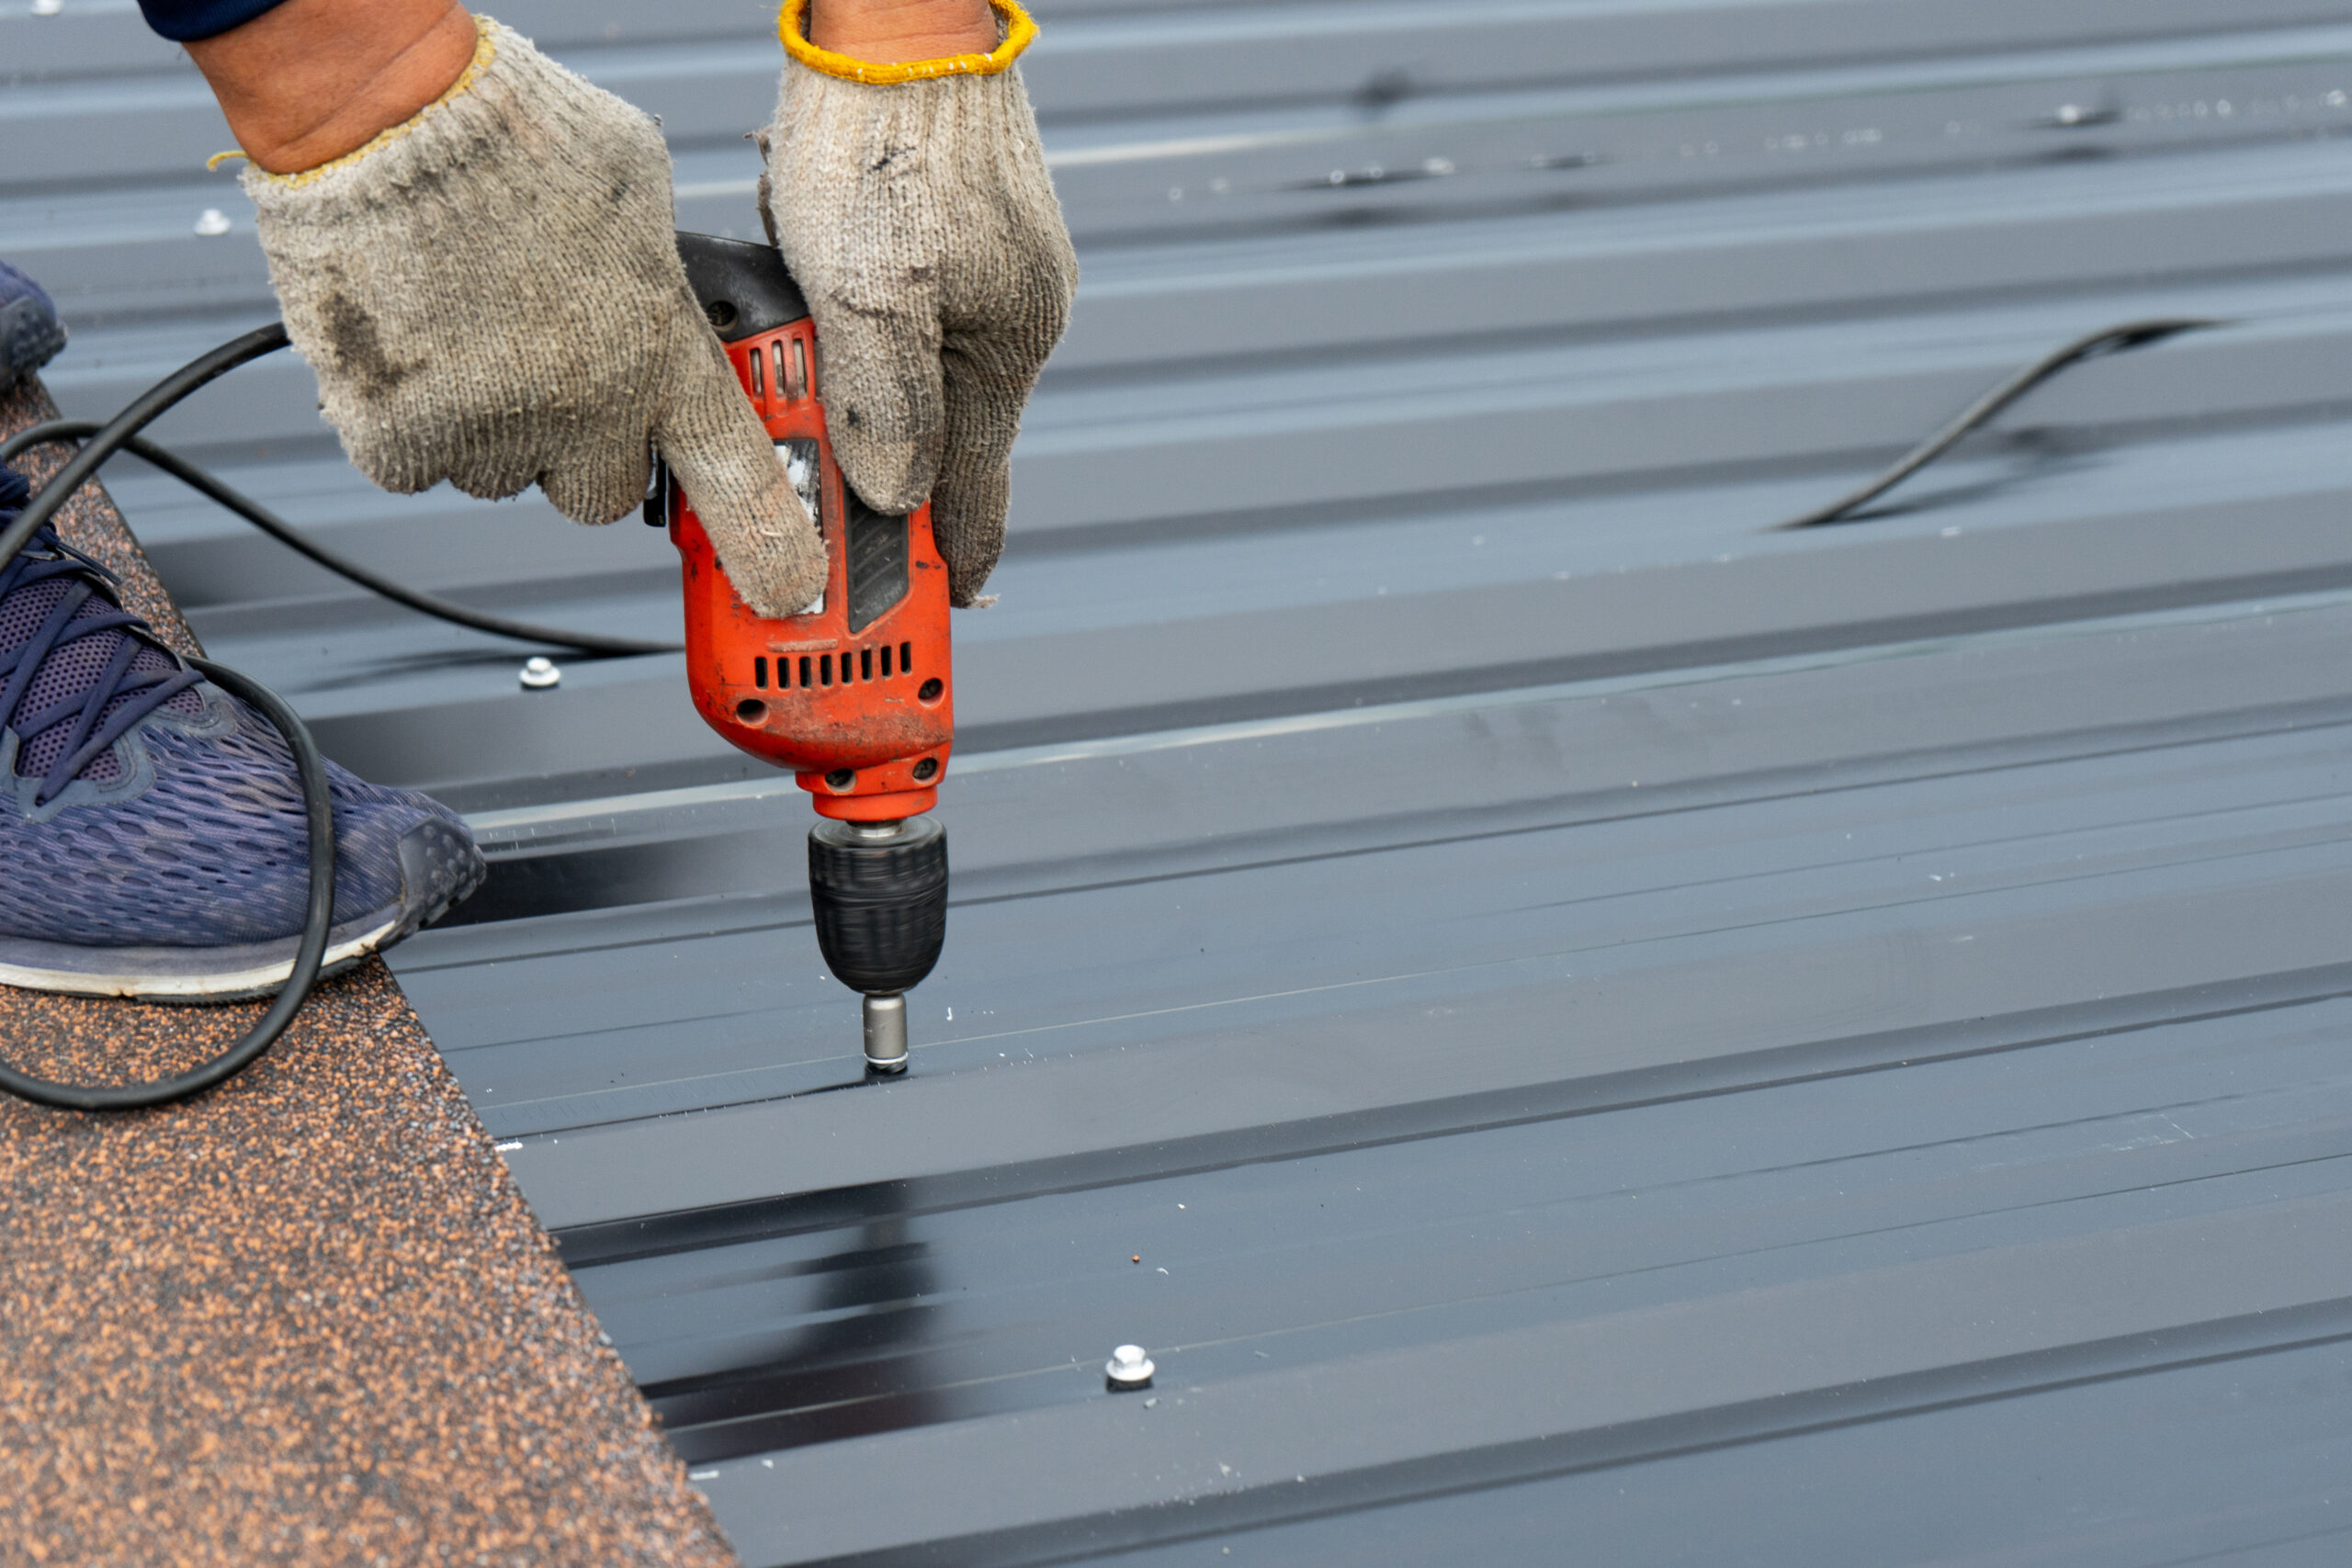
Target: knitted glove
(913,205)
(490,294)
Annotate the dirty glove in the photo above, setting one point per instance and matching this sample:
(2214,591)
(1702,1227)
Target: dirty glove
(913,205)
(490,294)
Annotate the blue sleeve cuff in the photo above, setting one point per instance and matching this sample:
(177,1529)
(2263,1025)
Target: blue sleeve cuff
(182,22)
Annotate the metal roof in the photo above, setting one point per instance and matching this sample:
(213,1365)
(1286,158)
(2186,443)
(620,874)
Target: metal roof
(1609,1029)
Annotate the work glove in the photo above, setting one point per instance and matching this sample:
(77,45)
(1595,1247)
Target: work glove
(490,294)
(912,206)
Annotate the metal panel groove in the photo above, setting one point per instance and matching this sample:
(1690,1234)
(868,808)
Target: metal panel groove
(1573,1023)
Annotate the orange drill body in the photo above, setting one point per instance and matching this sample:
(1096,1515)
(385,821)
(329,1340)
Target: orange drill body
(856,694)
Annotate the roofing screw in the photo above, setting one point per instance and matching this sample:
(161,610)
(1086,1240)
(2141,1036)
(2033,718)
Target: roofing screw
(1127,1368)
(211,222)
(541,674)
(2075,117)
(47,7)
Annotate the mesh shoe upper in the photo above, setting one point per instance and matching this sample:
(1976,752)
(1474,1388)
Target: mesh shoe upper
(140,806)
(76,671)
(31,334)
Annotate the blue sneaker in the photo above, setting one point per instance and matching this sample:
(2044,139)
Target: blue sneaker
(152,832)
(29,333)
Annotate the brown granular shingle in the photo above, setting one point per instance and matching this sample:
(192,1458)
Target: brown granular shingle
(307,1318)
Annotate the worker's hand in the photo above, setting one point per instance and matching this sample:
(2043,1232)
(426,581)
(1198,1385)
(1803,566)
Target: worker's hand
(911,202)
(490,294)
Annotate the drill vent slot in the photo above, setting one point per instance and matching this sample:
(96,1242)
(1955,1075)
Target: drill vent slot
(759,377)
(882,662)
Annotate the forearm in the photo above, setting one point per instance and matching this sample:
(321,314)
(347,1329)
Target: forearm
(892,32)
(306,81)
(309,81)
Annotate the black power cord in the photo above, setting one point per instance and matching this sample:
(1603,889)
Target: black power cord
(2112,340)
(285,533)
(121,434)
(318,919)
(318,806)
(143,412)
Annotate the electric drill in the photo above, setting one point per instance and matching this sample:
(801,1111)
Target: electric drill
(854,693)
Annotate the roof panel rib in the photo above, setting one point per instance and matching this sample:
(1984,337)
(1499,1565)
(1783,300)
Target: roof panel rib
(1568,1020)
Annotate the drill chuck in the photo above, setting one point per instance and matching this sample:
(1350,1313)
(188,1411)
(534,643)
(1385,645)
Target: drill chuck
(879,892)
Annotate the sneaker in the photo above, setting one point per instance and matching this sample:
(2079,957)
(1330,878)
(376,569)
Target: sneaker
(152,828)
(29,333)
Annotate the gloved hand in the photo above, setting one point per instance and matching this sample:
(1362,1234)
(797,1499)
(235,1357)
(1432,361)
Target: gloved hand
(913,205)
(490,294)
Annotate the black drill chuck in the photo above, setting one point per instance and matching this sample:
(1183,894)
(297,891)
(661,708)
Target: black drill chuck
(879,890)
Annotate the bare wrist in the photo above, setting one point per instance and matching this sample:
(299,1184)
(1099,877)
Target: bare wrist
(892,32)
(311,80)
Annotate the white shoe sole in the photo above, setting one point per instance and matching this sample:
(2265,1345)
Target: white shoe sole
(438,867)
(168,973)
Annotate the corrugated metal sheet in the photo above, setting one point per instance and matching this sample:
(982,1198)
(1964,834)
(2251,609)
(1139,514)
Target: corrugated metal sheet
(1611,1031)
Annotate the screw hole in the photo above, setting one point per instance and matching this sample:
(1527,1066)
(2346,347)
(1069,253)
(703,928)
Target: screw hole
(721,313)
(750,710)
(926,769)
(931,690)
(840,778)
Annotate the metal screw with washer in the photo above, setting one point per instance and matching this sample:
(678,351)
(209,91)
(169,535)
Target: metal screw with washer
(541,674)
(1127,1368)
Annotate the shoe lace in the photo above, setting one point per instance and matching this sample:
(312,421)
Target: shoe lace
(114,703)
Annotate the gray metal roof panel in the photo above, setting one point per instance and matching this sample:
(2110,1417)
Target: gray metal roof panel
(1670,1041)
(1568,794)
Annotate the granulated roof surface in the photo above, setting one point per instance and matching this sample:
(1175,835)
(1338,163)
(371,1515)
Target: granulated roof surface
(306,1318)
(1573,1024)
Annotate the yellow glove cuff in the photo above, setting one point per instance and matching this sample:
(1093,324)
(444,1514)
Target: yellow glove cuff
(1020,33)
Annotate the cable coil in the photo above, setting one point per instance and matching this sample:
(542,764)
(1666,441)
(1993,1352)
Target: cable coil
(121,434)
(318,806)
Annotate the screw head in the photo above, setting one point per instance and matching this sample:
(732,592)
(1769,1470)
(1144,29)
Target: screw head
(212,222)
(539,673)
(1128,1368)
